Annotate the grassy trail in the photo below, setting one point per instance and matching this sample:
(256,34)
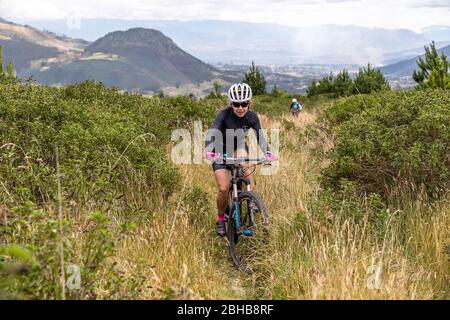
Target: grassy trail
(177,254)
(132,240)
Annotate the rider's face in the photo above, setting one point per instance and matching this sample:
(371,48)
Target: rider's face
(241,109)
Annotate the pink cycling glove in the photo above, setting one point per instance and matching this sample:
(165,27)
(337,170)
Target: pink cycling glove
(212,156)
(270,156)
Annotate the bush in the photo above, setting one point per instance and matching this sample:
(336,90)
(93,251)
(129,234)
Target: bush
(389,140)
(321,87)
(277,106)
(255,79)
(217,91)
(105,138)
(433,70)
(35,262)
(92,133)
(343,84)
(369,80)
(113,159)
(346,204)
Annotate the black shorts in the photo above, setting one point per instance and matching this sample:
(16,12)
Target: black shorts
(220,166)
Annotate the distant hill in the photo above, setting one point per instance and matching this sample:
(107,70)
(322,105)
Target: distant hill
(153,52)
(24,44)
(148,60)
(398,56)
(141,59)
(136,59)
(405,68)
(216,41)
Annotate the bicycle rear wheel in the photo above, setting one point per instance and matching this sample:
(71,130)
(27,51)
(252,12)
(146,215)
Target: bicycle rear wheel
(246,242)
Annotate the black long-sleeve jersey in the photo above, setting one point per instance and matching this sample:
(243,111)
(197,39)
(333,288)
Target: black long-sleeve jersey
(233,131)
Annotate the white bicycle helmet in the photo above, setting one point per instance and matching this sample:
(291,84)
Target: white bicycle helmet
(294,100)
(240,92)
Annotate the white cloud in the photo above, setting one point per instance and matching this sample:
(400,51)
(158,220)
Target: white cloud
(411,14)
(428,3)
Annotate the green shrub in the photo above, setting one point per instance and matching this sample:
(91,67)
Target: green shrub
(323,86)
(105,137)
(367,80)
(346,204)
(112,149)
(433,70)
(277,106)
(255,79)
(200,209)
(35,252)
(343,84)
(390,140)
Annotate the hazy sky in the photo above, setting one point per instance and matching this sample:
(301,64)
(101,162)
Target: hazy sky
(411,14)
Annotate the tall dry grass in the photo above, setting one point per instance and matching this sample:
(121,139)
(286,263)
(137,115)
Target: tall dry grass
(311,255)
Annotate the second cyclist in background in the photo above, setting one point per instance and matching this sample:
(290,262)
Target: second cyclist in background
(295,108)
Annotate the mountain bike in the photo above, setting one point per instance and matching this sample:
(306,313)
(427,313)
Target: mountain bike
(295,112)
(247,220)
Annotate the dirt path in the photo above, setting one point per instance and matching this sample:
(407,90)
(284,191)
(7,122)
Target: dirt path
(291,179)
(310,255)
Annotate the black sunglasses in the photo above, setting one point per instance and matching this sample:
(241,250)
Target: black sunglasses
(241,104)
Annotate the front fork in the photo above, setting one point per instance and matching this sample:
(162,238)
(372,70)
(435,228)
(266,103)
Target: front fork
(236,207)
(236,203)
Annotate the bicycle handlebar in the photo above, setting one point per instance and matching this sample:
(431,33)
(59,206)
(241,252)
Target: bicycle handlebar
(244,159)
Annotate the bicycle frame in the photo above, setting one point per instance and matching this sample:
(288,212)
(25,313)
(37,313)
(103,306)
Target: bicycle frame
(237,177)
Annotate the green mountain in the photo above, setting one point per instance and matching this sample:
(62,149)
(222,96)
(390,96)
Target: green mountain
(216,41)
(25,45)
(136,59)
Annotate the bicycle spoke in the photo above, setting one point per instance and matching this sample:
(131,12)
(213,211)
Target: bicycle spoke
(252,236)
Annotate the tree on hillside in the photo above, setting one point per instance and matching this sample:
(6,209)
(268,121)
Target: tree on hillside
(10,74)
(275,91)
(217,91)
(312,89)
(255,79)
(343,84)
(433,70)
(323,86)
(369,80)
(326,84)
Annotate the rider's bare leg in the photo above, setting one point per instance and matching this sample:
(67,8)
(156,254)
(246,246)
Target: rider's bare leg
(223,183)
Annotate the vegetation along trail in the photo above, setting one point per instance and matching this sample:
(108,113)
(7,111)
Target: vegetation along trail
(189,260)
(136,226)
(315,252)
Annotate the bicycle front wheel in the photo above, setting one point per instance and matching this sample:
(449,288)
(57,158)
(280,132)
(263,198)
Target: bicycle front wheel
(247,239)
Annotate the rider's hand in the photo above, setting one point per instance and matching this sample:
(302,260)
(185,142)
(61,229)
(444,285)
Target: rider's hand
(270,156)
(212,156)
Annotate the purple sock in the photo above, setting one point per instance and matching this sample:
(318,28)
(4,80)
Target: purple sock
(220,216)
